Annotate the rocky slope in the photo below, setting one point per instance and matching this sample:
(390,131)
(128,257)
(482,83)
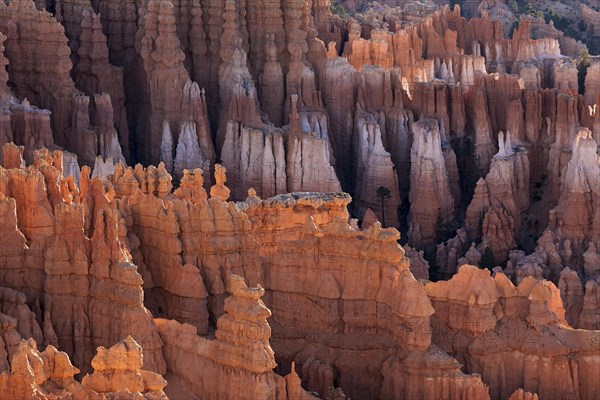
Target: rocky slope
(325,298)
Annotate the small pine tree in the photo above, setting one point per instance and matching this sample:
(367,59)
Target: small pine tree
(514,6)
(582,66)
(513,27)
(383,193)
(529,10)
(337,9)
(439,229)
(434,270)
(487,259)
(443,231)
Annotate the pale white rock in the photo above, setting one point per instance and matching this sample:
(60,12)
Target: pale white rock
(308,165)
(375,169)
(188,153)
(430,195)
(103,168)
(70,167)
(166,147)
(108,144)
(254,160)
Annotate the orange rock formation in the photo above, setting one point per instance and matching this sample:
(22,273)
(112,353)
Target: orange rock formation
(214,250)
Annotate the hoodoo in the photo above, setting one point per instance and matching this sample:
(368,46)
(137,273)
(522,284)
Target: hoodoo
(299,199)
